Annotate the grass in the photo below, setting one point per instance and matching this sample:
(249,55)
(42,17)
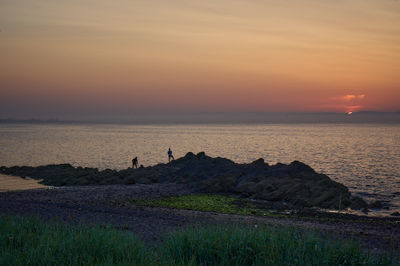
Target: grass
(261,246)
(205,202)
(29,241)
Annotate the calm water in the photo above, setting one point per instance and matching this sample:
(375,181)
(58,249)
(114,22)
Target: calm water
(366,158)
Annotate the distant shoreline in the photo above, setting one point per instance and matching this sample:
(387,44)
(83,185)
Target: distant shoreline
(366,117)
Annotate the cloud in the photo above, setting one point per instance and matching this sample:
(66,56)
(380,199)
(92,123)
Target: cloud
(350,97)
(353,108)
(348,102)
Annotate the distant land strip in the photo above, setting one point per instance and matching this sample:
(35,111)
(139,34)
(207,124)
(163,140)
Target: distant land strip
(223,118)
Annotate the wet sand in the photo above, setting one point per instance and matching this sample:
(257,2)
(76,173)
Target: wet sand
(11,183)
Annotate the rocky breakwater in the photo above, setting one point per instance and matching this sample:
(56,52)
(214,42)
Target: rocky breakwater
(296,183)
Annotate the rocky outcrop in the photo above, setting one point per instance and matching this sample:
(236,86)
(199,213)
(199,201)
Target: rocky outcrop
(295,183)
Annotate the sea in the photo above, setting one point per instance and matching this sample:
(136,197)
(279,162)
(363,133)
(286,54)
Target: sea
(364,157)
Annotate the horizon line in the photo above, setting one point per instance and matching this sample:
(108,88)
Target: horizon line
(222,118)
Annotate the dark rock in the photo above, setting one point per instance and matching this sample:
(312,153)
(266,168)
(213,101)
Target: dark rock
(259,163)
(300,167)
(358,204)
(365,210)
(375,205)
(395,214)
(296,184)
(201,155)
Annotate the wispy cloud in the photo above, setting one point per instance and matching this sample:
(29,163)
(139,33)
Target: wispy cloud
(349,102)
(350,97)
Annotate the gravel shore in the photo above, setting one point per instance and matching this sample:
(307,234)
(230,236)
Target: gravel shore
(109,206)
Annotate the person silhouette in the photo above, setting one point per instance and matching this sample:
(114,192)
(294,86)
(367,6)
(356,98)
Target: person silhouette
(170,156)
(135,162)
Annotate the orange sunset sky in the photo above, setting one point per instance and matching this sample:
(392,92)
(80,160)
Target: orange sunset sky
(125,56)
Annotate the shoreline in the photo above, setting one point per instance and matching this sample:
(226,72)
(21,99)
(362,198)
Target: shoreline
(295,183)
(15,183)
(9,183)
(110,205)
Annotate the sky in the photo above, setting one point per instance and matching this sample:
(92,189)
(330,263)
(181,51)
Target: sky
(71,59)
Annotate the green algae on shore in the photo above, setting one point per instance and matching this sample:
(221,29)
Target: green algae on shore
(205,202)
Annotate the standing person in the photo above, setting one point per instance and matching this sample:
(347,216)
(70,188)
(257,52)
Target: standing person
(170,155)
(134,162)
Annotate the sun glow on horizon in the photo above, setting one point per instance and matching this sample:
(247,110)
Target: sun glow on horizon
(132,56)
